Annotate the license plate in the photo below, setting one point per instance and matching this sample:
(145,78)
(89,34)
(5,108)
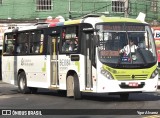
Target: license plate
(134,84)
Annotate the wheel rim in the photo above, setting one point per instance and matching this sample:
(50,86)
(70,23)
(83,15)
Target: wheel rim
(70,87)
(22,83)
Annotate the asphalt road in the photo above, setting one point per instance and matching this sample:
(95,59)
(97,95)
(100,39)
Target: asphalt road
(91,106)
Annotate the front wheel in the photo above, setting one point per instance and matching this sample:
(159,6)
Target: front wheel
(22,83)
(73,89)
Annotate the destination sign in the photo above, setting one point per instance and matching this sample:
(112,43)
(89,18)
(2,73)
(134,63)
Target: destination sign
(123,28)
(109,53)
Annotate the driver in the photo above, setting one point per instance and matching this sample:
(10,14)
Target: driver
(131,47)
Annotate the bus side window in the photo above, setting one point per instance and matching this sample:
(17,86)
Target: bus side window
(22,43)
(9,44)
(70,42)
(36,42)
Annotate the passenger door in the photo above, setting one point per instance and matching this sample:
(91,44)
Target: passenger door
(54,60)
(88,37)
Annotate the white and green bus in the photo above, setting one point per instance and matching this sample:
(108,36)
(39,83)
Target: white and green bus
(82,56)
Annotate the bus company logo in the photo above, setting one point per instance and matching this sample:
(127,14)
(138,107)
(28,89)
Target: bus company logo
(6,112)
(26,62)
(133,76)
(22,62)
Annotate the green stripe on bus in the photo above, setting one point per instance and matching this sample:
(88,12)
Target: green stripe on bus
(44,68)
(78,65)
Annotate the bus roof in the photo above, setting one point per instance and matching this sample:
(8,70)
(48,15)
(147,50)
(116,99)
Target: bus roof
(100,19)
(120,19)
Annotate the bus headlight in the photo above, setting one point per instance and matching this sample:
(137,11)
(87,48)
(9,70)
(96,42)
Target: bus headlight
(106,74)
(154,74)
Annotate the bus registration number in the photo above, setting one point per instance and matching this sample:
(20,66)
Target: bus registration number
(134,84)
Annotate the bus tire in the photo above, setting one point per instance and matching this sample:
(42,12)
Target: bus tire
(22,83)
(73,89)
(124,96)
(77,92)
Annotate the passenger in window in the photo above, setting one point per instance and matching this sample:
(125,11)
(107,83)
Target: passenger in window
(31,48)
(37,49)
(71,46)
(76,44)
(21,50)
(10,50)
(7,50)
(65,46)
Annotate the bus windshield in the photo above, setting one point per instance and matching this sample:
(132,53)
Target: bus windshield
(126,45)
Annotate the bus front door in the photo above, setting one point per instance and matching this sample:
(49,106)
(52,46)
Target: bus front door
(54,61)
(88,60)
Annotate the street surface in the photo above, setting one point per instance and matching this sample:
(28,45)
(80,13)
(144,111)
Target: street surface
(10,98)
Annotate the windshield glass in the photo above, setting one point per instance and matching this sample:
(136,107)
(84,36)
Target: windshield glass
(126,45)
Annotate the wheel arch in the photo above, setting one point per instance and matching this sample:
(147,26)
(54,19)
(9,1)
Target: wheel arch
(76,93)
(70,72)
(20,70)
(73,73)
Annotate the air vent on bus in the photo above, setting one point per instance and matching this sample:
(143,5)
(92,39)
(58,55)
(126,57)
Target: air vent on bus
(131,77)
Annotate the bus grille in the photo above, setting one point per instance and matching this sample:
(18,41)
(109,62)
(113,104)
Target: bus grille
(131,77)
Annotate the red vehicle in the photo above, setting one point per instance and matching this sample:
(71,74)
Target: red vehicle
(156,34)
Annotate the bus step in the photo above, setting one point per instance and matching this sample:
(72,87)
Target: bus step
(88,90)
(55,87)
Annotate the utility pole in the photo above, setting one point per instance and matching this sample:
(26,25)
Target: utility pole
(69,10)
(126,2)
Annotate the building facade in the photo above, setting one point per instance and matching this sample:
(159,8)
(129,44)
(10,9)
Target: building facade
(33,10)
(27,12)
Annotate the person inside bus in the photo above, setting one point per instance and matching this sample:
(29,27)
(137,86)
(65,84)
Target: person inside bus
(76,44)
(71,46)
(65,46)
(25,48)
(36,49)
(131,47)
